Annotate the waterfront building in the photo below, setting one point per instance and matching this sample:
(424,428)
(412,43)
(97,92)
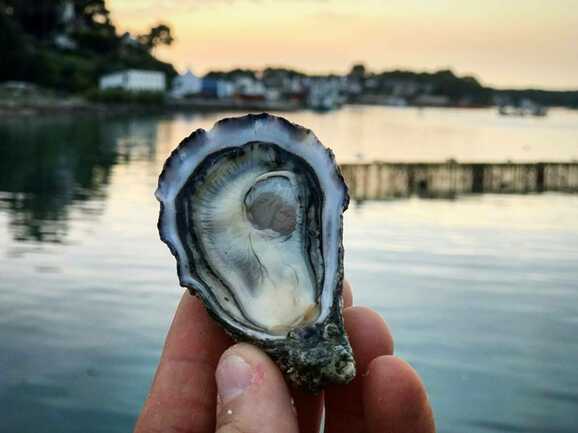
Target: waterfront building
(324,93)
(186,84)
(247,87)
(134,80)
(217,88)
(273,95)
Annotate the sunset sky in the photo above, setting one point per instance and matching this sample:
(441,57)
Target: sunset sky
(505,43)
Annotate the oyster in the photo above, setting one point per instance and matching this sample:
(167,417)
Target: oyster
(252,211)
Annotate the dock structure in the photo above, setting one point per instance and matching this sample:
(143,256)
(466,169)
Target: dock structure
(386,180)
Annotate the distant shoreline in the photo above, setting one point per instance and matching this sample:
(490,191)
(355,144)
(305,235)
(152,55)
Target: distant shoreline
(79,106)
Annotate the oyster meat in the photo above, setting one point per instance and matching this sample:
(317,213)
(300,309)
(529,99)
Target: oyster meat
(252,211)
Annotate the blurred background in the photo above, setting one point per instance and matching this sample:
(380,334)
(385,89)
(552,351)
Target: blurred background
(456,126)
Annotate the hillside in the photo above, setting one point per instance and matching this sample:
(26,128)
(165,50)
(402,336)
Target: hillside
(67,45)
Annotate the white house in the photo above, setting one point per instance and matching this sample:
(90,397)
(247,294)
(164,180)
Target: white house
(134,80)
(186,84)
(324,93)
(249,87)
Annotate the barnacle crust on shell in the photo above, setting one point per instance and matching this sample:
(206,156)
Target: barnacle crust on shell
(252,211)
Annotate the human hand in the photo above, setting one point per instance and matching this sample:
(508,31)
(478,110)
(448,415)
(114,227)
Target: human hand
(386,396)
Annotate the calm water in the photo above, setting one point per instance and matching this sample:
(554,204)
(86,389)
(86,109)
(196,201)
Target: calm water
(481,293)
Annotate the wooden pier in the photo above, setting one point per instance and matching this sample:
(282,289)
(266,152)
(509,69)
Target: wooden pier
(385,180)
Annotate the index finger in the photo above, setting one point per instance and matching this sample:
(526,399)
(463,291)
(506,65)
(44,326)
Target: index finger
(183,395)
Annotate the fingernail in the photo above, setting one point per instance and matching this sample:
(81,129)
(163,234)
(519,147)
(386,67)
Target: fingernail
(233,376)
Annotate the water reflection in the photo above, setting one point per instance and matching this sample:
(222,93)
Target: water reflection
(49,165)
(480,292)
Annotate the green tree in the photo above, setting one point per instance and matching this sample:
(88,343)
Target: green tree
(93,28)
(28,53)
(158,35)
(93,13)
(39,18)
(16,49)
(358,71)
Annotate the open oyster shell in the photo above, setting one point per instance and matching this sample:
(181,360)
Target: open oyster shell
(252,211)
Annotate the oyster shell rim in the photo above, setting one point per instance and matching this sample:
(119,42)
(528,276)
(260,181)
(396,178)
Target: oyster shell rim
(233,133)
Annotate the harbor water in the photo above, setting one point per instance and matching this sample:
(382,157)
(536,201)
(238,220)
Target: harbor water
(480,292)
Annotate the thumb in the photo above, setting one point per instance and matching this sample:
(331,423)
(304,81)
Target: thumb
(253,396)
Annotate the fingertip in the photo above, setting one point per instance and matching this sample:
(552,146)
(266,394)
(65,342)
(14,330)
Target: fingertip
(254,357)
(193,333)
(252,392)
(398,377)
(245,350)
(395,398)
(190,308)
(256,368)
(368,334)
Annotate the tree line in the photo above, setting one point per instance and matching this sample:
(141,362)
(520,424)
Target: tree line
(68,44)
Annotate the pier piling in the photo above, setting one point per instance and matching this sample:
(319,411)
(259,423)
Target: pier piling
(384,180)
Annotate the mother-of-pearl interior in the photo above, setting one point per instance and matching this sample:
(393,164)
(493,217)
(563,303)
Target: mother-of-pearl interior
(254,214)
